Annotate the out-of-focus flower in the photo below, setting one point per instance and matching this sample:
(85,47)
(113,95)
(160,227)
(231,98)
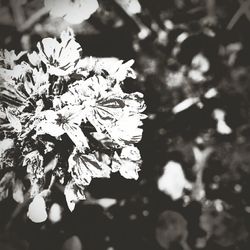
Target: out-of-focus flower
(55,213)
(173,181)
(73,12)
(221,127)
(171,228)
(18,191)
(37,210)
(200,65)
(131,7)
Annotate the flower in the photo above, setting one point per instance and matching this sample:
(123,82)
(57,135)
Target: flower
(5,145)
(173,180)
(73,12)
(55,213)
(34,163)
(66,120)
(60,58)
(128,162)
(83,167)
(37,210)
(54,95)
(127,129)
(73,193)
(8,58)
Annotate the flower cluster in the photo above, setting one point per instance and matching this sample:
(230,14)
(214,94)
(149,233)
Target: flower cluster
(65,118)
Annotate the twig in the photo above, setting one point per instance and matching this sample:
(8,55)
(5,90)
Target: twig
(201,159)
(33,19)
(242,10)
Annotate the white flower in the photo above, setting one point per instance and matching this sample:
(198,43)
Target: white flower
(200,63)
(221,127)
(173,180)
(127,129)
(18,188)
(83,167)
(73,193)
(73,12)
(13,119)
(55,213)
(34,163)
(5,144)
(127,163)
(60,57)
(66,120)
(9,58)
(37,210)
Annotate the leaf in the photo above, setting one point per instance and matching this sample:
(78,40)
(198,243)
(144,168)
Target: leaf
(73,193)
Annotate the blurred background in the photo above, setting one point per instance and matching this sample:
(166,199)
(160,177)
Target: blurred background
(192,60)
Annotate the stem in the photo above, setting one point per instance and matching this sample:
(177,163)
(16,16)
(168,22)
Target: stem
(52,181)
(244,5)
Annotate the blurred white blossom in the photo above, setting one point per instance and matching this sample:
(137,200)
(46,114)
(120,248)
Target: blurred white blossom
(173,181)
(73,12)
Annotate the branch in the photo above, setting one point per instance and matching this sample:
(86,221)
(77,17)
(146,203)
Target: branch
(33,19)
